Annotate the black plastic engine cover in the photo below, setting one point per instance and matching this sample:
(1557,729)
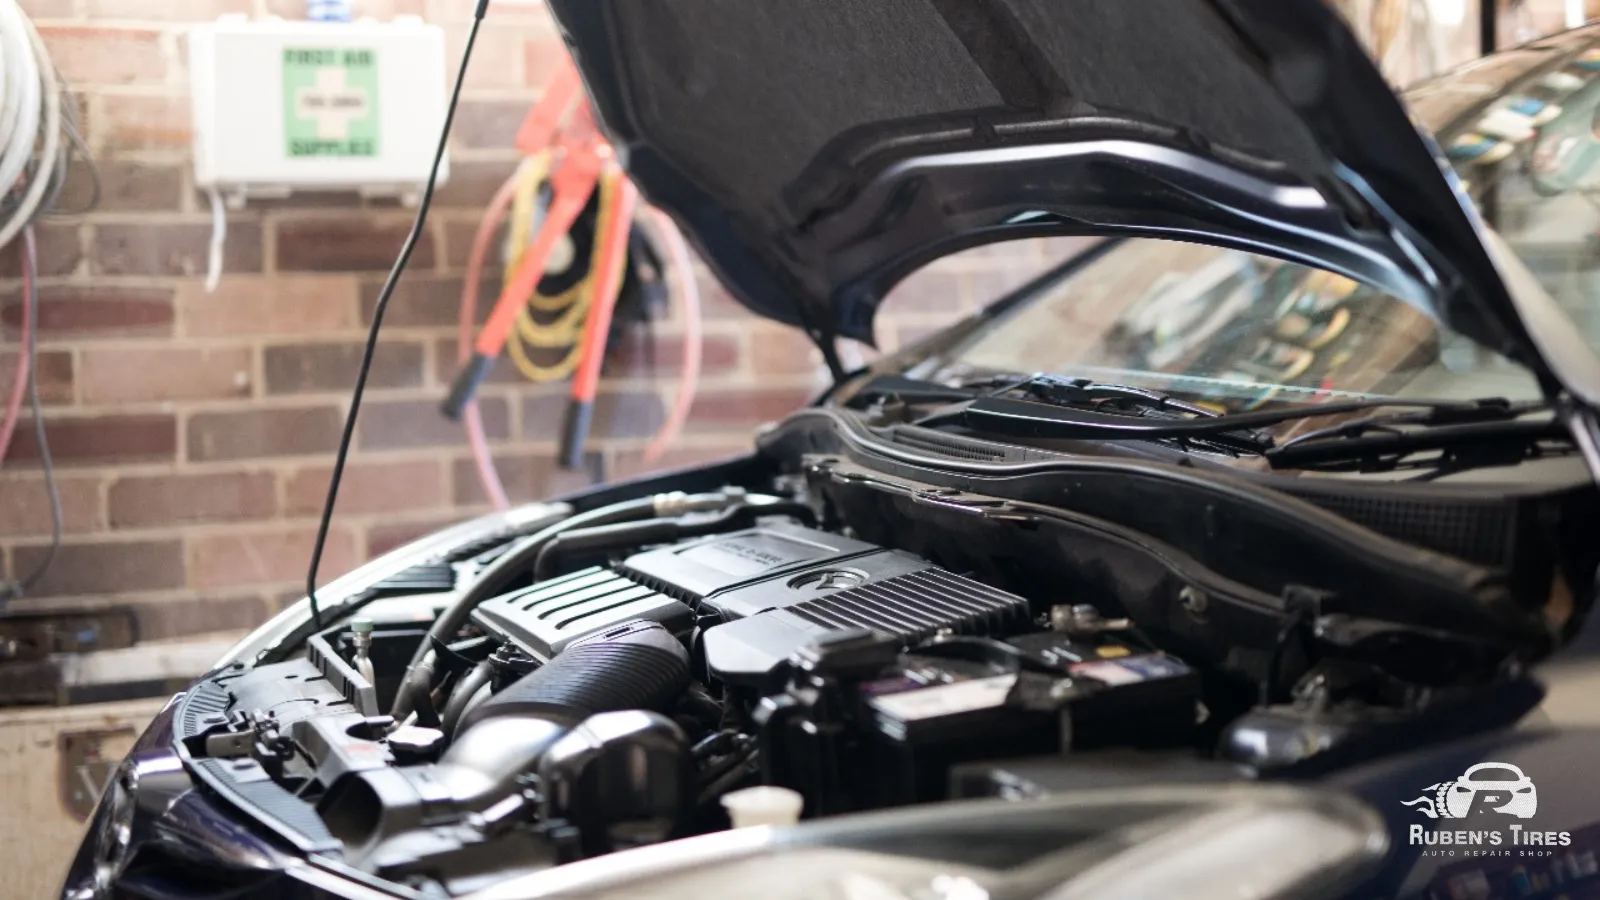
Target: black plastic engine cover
(698,571)
(909,599)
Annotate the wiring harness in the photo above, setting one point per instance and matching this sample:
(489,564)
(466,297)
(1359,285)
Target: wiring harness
(39,138)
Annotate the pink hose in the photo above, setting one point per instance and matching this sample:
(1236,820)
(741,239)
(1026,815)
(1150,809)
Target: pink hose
(689,297)
(471,420)
(19,383)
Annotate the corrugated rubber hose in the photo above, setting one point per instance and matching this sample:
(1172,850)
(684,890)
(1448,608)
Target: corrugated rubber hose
(636,666)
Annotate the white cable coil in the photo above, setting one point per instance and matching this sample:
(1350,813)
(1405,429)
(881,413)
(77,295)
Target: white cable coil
(30,118)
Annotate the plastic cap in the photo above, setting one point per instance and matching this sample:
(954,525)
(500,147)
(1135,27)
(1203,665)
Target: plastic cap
(360,625)
(763,806)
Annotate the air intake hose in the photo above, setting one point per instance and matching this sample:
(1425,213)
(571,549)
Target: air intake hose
(637,666)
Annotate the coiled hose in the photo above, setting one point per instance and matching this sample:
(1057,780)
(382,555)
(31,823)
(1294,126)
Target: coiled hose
(30,118)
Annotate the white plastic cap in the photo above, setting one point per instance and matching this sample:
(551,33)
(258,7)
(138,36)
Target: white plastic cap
(763,806)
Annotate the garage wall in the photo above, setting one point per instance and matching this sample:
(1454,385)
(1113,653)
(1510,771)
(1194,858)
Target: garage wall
(193,432)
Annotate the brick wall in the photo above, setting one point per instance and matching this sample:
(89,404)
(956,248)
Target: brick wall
(193,432)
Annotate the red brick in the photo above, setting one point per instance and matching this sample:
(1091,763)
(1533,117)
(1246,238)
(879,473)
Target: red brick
(426,301)
(905,335)
(57,248)
(745,408)
(382,10)
(1055,251)
(936,288)
(90,55)
(85,440)
(1001,255)
(280,304)
(104,567)
(311,201)
(369,487)
(162,373)
(719,355)
(141,122)
(155,500)
(542,55)
(782,351)
(473,184)
(496,57)
(488,123)
(348,244)
(48,9)
(54,376)
(630,463)
(445,366)
(96,310)
(525,477)
(172,248)
(174,10)
(255,433)
(715,301)
(458,237)
(385,536)
(513,11)
(266,556)
(187,616)
(617,414)
(124,187)
(985,286)
(302,368)
(395,424)
(26,510)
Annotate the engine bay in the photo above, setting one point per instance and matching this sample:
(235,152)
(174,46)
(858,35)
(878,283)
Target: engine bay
(861,641)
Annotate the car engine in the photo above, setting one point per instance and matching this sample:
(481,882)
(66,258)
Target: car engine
(609,679)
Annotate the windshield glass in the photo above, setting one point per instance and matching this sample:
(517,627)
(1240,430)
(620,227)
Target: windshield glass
(1242,331)
(1234,328)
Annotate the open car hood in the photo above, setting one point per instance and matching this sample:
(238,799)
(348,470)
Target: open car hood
(818,151)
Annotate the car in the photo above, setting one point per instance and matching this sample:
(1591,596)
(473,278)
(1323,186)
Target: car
(1493,787)
(1179,571)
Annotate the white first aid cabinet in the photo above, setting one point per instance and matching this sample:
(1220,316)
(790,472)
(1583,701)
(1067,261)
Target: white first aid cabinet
(281,106)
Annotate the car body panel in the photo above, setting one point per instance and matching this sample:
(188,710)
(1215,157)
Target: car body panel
(1265,127)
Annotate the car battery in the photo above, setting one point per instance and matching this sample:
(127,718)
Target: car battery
(1044,693)
(931,712)
(1115,694)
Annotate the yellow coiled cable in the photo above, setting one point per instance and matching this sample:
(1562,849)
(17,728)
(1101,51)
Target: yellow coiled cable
(568,308)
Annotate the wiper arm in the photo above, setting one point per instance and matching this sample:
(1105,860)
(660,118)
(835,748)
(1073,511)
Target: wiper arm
(1011,417)
(1055,408)
(1385,443)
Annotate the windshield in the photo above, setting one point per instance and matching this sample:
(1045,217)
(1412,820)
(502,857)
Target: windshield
(1241,331)
(1235,329)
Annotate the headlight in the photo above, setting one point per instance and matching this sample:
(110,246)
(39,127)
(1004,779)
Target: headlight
(1237,842)
(114,838)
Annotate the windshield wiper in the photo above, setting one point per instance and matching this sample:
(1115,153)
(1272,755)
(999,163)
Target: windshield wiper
(1056,408)
(1385,443)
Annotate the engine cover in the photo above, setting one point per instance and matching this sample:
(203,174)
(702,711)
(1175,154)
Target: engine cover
(760,594)
(777,587)
(551,615)
(913,604)
(704,571)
